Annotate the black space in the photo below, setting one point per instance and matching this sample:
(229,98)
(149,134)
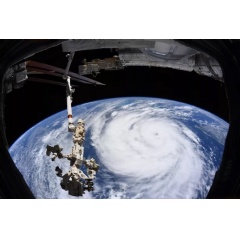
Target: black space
(34,102)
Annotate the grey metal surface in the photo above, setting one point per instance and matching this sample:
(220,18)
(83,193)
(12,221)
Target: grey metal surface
(152,53)
(81,45)
(200,63)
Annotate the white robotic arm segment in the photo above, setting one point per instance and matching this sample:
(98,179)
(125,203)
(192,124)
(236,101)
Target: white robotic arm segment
(71,126)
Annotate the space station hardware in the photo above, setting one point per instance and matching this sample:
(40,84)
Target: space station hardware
(71,127)
(93,67)
(55,150)
(15,77)
(150,53)
(75,181)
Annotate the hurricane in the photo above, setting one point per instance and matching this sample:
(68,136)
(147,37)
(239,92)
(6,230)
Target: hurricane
(146,148)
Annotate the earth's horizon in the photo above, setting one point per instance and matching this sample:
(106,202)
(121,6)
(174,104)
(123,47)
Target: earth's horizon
(146,148)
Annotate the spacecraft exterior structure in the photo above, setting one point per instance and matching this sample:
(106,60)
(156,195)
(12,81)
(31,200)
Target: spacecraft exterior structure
(75,181)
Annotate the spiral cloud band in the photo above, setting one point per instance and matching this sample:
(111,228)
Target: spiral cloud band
(145,143)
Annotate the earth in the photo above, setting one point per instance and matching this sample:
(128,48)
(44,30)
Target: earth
(146,148)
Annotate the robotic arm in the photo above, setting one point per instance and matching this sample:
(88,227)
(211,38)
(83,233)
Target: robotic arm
(69,92)
(74,181)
